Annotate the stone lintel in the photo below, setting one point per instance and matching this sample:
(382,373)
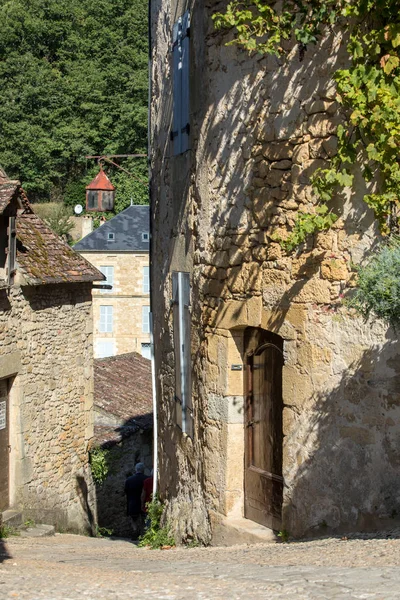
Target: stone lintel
(10,364)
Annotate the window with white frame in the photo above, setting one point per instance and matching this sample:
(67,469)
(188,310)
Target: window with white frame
(104,348)
(108,272)
(146,351)
(146,319)
(146,280)
(106,319)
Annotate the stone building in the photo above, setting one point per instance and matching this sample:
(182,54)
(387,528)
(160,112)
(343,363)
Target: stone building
(46,369)
(276,402)
(120,250)
(123,431)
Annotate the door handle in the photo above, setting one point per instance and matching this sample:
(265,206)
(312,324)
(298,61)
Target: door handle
(250,423)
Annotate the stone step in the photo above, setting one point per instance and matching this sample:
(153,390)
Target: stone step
(236,531)
(35,531)
(12,518)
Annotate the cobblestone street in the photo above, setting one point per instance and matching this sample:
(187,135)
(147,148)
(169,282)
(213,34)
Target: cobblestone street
(70,567)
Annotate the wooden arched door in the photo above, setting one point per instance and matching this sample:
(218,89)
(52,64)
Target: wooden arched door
(263,483)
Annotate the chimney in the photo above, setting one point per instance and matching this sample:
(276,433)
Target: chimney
(87,225)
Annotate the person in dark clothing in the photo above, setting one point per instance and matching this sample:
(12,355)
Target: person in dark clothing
(133,491)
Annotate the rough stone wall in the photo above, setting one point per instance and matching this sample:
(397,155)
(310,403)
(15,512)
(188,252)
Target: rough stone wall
(126,297)
(260,126)
(111,500)
(47,332)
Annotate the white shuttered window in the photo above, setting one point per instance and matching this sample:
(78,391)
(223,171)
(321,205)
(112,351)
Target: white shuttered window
(146,280)
(108,272)
(106,319)
(145,319)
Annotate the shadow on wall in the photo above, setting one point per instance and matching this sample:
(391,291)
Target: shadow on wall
(248,185)
(131,444)
(346,451)
(83,495)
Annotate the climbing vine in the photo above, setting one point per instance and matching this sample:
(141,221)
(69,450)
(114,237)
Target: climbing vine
(369,92)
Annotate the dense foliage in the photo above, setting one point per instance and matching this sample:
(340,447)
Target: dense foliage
(73,82)
(369,91)
(378,289)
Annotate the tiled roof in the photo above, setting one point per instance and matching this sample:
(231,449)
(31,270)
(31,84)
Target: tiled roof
(127,227)
(100,182)
(122,386)
(43,257)
(7,191)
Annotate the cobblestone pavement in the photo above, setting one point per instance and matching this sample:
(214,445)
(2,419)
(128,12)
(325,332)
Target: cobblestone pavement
(67,567)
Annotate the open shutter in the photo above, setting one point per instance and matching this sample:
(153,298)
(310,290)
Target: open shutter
(176,133)
(185,120)
(12,249)
(182,343)
(180,59)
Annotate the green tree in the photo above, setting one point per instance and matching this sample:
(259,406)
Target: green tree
(73,81)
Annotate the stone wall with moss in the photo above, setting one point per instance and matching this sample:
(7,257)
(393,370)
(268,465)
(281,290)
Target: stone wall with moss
(260,126)
(46,353)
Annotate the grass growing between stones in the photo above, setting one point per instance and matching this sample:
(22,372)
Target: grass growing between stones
(156,536)
(7,531)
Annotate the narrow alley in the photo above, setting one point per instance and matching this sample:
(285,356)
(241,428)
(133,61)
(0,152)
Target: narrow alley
(69,567)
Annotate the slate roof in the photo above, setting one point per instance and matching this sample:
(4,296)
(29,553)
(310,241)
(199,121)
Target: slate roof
(127,228)
(122,387)
(42,256)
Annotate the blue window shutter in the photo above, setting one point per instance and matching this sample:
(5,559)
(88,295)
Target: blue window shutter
(176,133)
(185,108)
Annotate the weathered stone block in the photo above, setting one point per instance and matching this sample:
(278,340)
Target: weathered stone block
(301,153)
(245,278)
(320,125)
(282,165)
(277,151)
(314,291)
(334,269)
(301,174)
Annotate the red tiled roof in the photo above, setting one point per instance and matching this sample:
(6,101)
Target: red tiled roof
(122,387)
(43,257)
(7,191)
(100,182)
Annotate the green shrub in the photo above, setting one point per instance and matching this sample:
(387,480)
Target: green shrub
(99,463)
(155,535)
(379,285)
(7,530)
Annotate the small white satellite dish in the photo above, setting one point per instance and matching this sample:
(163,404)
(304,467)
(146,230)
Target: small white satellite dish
(78,209)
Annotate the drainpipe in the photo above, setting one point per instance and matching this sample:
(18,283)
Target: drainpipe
(153,370)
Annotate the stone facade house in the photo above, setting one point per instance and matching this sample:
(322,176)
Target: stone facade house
(46,369)
(123,430)
(120,250)
(276,402)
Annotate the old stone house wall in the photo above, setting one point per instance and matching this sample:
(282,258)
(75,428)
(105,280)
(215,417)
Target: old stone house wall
(260,126)
(127,299)
(121,460)
(46,354)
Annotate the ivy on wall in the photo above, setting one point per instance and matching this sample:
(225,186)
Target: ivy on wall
(369,92)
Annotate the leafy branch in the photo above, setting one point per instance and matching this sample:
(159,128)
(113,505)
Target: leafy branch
(369,92)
